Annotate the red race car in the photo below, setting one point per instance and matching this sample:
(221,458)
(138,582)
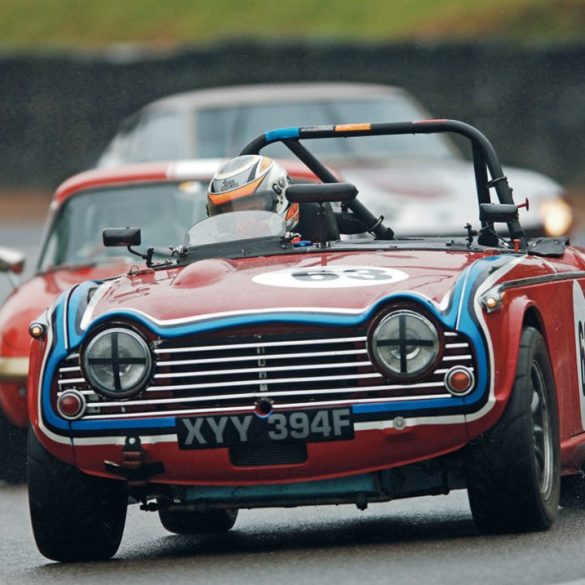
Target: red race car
(165,198)
(254,368)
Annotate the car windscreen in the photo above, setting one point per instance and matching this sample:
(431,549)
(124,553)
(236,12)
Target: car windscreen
(223,131)
(163,212)
(236,226)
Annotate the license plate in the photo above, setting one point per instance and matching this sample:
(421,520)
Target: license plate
(305,426)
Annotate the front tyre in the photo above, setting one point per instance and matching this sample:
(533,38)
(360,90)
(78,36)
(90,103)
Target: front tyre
(75,517)
(513,471)
(191,522)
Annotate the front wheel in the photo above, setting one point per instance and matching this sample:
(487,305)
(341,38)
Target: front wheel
(191,522)
(75,517)
(513,471)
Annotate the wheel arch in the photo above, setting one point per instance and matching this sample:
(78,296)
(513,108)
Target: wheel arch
(533,318)
(505,329)
(523,313)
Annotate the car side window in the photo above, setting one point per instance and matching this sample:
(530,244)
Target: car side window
(216,132)
(118,151)
(160,136)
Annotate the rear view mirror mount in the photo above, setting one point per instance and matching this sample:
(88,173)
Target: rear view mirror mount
(126,238)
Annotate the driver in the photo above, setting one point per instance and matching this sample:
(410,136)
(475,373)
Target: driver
(252,182)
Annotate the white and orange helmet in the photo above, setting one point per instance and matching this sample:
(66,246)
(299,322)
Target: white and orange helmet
(251,182)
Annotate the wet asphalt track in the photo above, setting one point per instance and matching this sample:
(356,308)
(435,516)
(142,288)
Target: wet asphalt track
(424,540)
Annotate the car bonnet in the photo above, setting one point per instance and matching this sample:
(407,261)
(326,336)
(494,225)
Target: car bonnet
(332,282)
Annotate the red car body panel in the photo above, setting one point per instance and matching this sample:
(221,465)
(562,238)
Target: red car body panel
(370,451)
(22,307)
(432,275)
(202,169)
(171,292)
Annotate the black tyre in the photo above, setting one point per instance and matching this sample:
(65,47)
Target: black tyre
(190,522)
(513,471)
(12,451)
(75,517)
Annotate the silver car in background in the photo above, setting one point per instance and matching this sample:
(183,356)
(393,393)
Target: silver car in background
(422,185)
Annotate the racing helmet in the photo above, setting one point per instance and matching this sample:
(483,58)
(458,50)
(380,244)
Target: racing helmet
(251,182)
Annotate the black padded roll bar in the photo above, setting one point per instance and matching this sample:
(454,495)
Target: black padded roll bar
(484,157)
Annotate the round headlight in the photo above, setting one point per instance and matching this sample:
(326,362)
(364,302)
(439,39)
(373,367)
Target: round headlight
(117,362)
(405,344)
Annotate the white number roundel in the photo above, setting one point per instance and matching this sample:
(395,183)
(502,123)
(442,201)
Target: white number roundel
(331,277)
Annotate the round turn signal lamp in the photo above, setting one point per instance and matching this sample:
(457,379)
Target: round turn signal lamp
(459,380)
(491,303)
(71,404)
(37,330)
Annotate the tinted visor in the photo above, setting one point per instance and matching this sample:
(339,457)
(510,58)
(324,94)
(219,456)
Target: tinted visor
(261,201)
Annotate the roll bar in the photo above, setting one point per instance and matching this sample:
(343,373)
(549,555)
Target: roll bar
(484,158)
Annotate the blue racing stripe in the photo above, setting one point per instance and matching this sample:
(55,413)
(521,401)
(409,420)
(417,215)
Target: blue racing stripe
(282,134)
(463,290)
(462,297)
(311,318)
(305,318)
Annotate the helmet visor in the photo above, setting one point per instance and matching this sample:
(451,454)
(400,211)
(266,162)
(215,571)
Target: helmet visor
(260,200)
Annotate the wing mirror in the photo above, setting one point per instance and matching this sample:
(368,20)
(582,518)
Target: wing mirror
(321,192)
(121,237)
(11,260)
(126,238)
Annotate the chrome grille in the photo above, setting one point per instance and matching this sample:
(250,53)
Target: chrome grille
(231,372)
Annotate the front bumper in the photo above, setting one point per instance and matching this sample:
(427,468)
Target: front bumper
(369,451)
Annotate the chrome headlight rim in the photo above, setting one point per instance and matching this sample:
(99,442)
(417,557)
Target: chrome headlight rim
(95,384)
(423,316)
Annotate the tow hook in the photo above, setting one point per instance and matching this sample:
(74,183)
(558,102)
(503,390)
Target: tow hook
(133,468)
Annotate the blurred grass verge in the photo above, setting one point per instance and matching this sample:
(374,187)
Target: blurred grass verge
(37,24)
